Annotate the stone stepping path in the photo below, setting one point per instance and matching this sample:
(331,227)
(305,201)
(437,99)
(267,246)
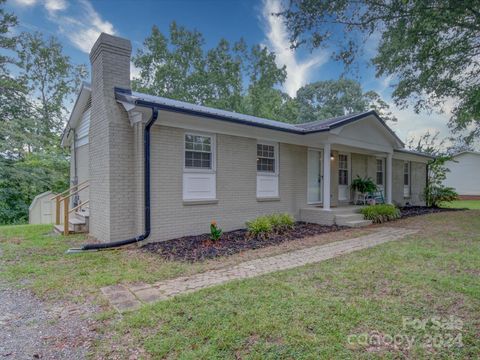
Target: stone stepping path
(130,297)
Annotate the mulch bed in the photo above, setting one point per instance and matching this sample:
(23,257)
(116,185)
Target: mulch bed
(409,211)
(200,247)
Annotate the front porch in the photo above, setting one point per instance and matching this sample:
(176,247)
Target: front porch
(347,215)
(331,170)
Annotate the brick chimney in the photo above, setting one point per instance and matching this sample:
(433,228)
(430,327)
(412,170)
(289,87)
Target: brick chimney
(112,178)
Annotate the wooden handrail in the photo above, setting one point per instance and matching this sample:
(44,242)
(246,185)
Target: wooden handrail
(66,225)
(65,198)
(68,190)
(78,206)
(75,192)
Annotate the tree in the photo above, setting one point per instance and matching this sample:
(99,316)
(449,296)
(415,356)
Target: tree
(230,77)
(36,81)
(51,80)
(262,98)
(429,143)
(331,98)
(431,47)
(173,67)
(435,193)
(13,91)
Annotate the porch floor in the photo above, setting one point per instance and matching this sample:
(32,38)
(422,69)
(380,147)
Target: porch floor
(345,215)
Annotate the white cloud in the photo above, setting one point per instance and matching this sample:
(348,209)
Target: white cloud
(55,5)
(411,125)
(298,72)
(25,2)
(82,25)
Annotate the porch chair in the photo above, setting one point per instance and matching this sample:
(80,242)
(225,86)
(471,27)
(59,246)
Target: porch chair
(377,196)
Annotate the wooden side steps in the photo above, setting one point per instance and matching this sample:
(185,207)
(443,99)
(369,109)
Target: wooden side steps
(77,224)
(75,220)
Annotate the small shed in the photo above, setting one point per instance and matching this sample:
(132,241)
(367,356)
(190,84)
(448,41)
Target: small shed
(42,209)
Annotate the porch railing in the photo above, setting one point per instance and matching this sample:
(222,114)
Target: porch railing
(64,198)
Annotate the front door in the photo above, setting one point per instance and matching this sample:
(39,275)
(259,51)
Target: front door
(343,177)
(314,195)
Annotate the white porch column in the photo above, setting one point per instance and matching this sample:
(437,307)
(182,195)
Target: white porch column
(327,149)
(389,177)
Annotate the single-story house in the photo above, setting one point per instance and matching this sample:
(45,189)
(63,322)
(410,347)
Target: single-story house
(164,168)
(461,164)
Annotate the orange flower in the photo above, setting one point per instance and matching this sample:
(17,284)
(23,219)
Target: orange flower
(214,223)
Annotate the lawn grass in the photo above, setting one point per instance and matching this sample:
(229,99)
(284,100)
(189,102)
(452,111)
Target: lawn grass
(304,313)
(463,204)
(33,256)
(309,312)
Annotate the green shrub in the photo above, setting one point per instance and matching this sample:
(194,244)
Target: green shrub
(263,226)
(215,231)
(363,185)
(434,195)
(260,227)
(287,221)
(380,213)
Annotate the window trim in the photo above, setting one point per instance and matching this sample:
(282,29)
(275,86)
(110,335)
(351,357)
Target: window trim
(275,153)
(348,169)
(407,173)
(213,148)
(383,171)
(409,185)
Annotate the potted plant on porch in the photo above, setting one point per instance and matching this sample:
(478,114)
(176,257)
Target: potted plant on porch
(362,187)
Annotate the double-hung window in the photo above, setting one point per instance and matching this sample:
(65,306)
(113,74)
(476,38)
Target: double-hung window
(406,179)
(267,170)
(266,158)
(199,178)
(198,151)
(380,172)
(342,169)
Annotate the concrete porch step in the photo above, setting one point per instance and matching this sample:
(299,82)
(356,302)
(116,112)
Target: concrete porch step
(358,223)
(343,219)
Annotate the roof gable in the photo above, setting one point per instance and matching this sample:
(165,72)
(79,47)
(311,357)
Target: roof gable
(367,129)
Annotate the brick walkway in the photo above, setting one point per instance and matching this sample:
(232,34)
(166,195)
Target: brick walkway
(130,297)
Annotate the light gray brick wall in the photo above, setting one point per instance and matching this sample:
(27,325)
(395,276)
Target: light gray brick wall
(417,183)
(359,165)
(236,185)
(112,171)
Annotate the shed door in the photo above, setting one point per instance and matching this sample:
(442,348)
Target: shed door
(46,209)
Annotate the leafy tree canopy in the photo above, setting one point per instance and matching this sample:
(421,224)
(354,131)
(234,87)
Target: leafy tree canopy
(331,98)
(431,47)
(36,84)
(239,78)
(228,76)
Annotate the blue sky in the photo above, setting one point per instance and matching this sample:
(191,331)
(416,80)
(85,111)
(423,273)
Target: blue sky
(78,23)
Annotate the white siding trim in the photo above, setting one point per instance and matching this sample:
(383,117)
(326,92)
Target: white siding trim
(82,130)
(199,186)
(267,186)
